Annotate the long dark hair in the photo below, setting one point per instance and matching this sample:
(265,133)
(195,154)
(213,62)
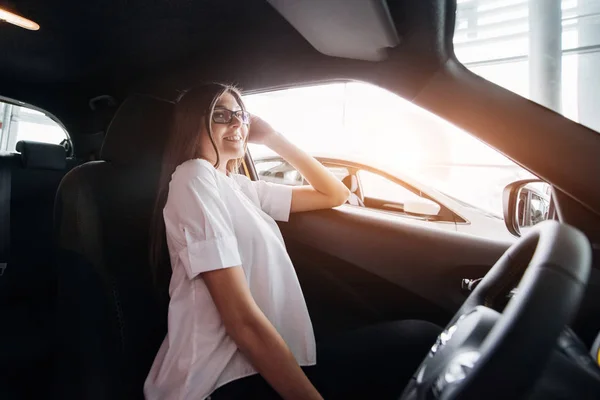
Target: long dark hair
(193,108)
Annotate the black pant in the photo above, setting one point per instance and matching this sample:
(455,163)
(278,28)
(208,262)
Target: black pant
(375,362)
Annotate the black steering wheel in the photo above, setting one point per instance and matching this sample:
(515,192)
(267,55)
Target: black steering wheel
(487,354)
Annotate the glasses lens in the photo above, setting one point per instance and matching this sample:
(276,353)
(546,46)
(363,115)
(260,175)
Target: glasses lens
(222,116)
(244,116)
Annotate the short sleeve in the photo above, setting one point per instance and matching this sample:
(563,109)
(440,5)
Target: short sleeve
(201,214)
(272,198)
(275,199)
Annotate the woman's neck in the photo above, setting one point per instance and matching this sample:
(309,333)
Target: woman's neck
(222,167)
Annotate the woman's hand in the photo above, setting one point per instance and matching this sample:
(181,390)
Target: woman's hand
(260,132)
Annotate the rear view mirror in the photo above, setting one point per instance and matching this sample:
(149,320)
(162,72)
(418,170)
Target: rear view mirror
(422,207)
(526,203)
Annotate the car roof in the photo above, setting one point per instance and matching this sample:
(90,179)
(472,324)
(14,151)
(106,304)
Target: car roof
(111,41)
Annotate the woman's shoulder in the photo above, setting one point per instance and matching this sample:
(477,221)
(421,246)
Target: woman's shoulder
(191,178)
(193,169)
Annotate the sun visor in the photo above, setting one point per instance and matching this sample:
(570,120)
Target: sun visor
(357,29)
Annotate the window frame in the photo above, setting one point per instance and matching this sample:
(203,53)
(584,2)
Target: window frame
(393,182)
(48,114)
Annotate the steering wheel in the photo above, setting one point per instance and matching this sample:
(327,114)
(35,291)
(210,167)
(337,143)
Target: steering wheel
(485,354)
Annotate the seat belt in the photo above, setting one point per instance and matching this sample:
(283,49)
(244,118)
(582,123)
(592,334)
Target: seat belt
(5,175)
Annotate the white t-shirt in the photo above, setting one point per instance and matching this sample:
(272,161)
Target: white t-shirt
(216,221)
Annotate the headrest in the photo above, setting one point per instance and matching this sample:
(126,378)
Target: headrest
(87,146)
(351,183)
(42,155)
(138,131)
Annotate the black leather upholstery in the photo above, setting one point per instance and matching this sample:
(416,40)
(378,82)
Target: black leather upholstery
(136,134)
(42,155)
(87,146)
(111,321)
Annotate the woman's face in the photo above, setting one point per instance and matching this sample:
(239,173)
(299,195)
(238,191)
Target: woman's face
(229,137)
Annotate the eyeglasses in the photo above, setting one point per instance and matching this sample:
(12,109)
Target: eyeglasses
(225,116)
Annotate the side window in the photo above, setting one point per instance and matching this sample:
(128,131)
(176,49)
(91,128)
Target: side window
(339,172)
(262,166)
(278,171)
(380,188)
(21,123)
(384,194)
(460,179)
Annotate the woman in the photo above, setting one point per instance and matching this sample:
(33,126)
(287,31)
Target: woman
(238,322)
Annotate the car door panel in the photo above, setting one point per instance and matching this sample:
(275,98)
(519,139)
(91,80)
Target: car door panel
(361,267)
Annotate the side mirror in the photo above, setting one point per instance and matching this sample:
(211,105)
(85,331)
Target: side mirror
(423,207)
(525,204)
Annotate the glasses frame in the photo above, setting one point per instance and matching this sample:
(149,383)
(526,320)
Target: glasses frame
(237,114)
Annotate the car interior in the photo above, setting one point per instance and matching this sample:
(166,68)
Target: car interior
(81,315)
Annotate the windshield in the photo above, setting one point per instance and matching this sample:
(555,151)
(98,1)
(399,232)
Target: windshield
(545,50)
